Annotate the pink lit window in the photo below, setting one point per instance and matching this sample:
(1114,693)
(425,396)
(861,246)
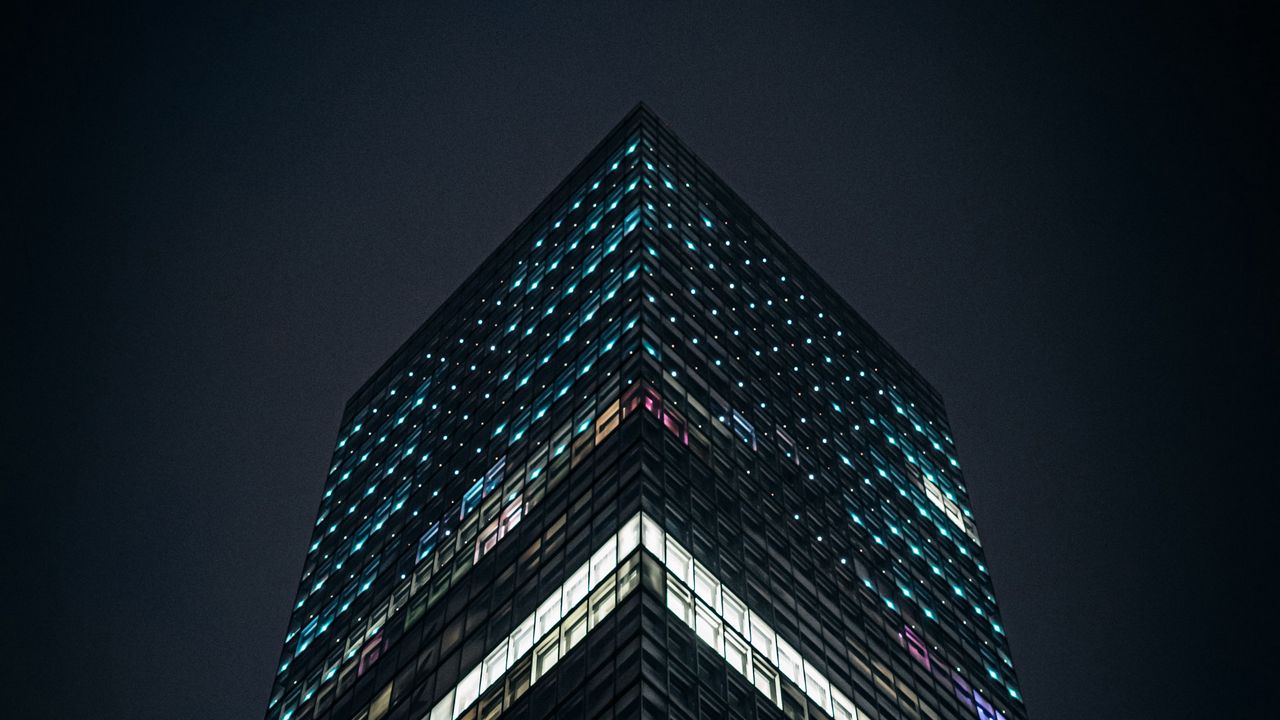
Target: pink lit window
(915,646)
(673,422)
(372,651)
(498,529)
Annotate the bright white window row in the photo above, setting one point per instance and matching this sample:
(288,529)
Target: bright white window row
(725,623)
(557,625)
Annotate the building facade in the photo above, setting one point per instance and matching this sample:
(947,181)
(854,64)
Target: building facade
(644,463)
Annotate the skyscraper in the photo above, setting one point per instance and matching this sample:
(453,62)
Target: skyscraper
(645,462)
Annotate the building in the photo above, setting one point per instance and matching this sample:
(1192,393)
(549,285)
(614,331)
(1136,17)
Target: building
(644,463)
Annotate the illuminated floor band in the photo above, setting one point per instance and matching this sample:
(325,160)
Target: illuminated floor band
(694,595)
(556,626)
(725,623)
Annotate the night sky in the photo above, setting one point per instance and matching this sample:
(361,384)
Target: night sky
(226,219)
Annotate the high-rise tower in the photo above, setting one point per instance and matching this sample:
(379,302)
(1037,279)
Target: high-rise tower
(645,462)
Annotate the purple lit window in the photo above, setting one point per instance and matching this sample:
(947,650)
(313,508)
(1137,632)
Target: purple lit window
(915,646)
(963,691)
(985,711)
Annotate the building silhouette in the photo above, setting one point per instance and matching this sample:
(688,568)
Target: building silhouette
(645,462)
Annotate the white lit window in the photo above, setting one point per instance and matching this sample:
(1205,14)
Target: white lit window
(717,616)
(678,602)
(816,688)
(575,588)
(762,639)
(766,681)
(468,691)
(443,709)
(549,613)
(678,561)
(735,613)
(790,664)
(653,536)
(706,586)
(707,626)
(629,536)
(522,639)
(495,665)
(604,561)
(844,708)
(736,653)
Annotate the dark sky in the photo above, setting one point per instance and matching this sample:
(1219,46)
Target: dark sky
(227,218)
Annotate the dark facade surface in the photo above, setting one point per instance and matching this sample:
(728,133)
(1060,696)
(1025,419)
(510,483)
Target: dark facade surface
(645,462)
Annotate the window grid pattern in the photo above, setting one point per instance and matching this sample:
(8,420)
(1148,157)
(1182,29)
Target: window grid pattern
(536,339)
(644,341)
(812,435)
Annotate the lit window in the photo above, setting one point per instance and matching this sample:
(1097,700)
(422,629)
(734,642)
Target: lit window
(653,537)
(575,628)
(736,653)
(602,601)
(735,613)
(629,536)
(817,688)
(762,638)
(468,691)
(575,588)
(604,561)
(707,626)
(790,664)
(706,586)
(765,680)
(444,709)
(678,561)
(381,704)
(496,664)
(549,613)
(844,708)
(522,638)
(679,603)
(547,655)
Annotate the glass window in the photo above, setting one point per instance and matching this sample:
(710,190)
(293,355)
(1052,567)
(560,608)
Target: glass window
(522,639)
(765,680)
(707,626)
(706,586)
(443,709)
(575,588)
(604,561)
(549,613)
(381,704)
(428,541)
(495,665)
(575,628)
(678,561)
(790,664)
(629,536)
(546,656)
(736,653)
(678,602)
(602,602)
(467,692)
(735,612)
(817,688)
(653,536)
(628,577)
(843,708)
(762,638)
